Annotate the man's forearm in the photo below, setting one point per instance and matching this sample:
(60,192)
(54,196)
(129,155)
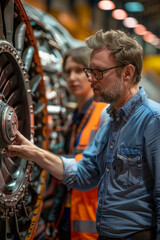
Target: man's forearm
(50,162)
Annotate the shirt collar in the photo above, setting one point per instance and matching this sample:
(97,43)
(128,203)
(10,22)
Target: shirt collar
(127,110)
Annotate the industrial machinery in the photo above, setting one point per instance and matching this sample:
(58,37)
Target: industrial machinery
(32,93)
(23,106)
(53,40)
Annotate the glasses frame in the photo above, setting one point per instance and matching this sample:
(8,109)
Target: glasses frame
(101,70)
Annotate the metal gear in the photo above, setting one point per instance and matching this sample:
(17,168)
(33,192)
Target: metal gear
(23,107)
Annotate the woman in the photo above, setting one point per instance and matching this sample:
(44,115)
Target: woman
(73,212)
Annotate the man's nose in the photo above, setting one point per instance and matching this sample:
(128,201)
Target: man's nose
(92,78)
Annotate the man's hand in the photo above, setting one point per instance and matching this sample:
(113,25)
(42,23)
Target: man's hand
(22,147)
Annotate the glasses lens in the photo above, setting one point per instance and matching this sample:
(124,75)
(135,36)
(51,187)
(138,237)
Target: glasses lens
(98,74)
(87,72)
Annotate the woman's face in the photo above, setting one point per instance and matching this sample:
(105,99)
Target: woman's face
(77,82)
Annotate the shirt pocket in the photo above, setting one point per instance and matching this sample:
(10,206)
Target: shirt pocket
(128,167)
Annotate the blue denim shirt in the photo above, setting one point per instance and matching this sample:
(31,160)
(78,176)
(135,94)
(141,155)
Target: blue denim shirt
(124,161)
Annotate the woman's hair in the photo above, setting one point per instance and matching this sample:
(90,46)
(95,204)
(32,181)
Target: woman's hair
(125,49)
(80,55)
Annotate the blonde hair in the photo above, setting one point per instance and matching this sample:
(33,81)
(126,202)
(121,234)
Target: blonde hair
(125,49)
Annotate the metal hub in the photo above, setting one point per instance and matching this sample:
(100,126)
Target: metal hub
(8,124)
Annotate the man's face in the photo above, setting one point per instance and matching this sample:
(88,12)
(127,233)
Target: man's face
(111,87)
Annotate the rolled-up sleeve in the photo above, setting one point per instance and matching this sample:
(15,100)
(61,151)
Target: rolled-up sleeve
(84,174)
(70,171)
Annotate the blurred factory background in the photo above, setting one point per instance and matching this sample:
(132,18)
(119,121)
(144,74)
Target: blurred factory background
(90,15)
(141,18)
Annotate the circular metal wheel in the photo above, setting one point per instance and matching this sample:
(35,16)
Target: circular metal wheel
(22,106)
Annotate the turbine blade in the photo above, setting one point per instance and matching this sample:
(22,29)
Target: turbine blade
(34,83)
(27,57)
(11,165)
(5,173)
(5,74)
(39,107)
(9,86)
(19,111)
(2,182)
(14,98)
(9,20)
(1,24)
(19,37)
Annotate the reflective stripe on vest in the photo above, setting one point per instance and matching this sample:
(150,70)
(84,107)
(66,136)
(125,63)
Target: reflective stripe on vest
(84,226)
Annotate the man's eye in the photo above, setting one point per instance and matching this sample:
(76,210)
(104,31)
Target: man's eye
(97,71)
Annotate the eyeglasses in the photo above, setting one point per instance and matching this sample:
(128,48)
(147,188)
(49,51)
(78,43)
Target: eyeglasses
(97,73)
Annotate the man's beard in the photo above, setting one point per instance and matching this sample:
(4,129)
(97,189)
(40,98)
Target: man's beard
(108,97)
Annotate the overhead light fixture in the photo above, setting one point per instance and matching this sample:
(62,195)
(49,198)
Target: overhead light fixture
(156,41)
(149,37)
(140,29)
(106,5)
(119,14)
(130,22)
(134,7)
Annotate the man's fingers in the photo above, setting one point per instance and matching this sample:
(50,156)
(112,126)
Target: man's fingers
(20,137)
(22,140)
(14,148)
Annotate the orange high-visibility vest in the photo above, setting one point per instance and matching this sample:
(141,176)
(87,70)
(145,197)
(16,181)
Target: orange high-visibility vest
(84,204)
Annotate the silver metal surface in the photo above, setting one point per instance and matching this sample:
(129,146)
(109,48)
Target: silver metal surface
(8,122)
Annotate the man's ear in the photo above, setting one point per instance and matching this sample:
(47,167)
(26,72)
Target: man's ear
(128,73)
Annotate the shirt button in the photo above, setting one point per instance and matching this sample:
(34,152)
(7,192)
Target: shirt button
(98,223)
(111,146)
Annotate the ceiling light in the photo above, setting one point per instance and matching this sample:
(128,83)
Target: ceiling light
(156,41)
(130,22)
(140,29)
(119,14)
(106,5)
(149,37)
(134,7)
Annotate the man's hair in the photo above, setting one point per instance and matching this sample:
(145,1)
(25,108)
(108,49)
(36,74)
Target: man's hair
(125,49)
(80,55)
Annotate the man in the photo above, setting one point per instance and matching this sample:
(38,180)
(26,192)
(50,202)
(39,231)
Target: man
(124,157)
